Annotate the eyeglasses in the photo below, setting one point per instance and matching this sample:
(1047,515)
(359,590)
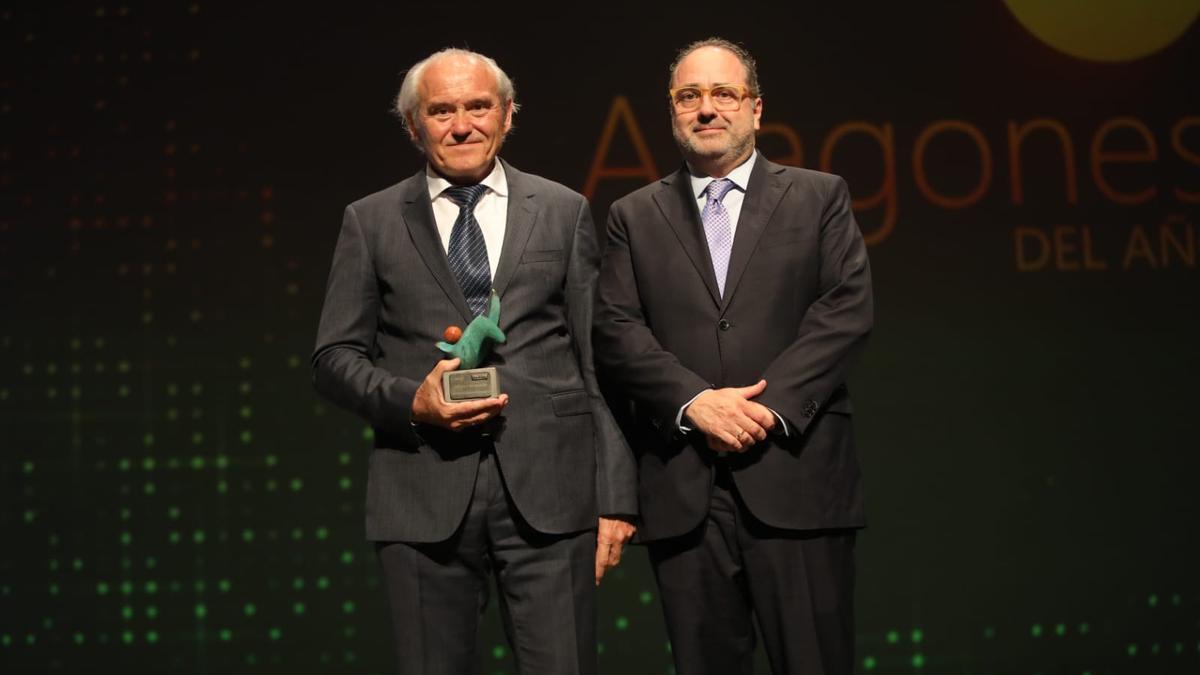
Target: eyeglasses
(724,97)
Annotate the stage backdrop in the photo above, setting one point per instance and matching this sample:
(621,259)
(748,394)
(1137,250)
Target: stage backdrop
(1027,174)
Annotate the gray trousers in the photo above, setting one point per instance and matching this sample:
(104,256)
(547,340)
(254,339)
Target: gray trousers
(545,583)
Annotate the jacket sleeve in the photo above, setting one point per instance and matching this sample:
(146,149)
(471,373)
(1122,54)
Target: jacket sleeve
(805,375)
(627,350)
(343,369)
(616,470)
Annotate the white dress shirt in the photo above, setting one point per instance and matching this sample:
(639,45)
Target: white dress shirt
(491,211)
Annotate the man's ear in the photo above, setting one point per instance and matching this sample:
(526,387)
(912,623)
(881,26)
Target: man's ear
(508,113)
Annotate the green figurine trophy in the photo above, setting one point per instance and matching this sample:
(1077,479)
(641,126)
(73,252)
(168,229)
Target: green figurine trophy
(471,346)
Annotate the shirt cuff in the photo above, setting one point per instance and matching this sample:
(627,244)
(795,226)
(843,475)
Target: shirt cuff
(679,416)
(782,423)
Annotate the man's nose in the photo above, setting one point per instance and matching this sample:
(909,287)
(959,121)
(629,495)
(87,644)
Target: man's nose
(706,107)
(460,126)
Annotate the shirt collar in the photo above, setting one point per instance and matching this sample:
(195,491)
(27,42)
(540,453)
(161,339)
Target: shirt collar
(495,181)
(740,176)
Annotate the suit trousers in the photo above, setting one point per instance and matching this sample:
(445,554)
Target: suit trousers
(545,584)
(733,568)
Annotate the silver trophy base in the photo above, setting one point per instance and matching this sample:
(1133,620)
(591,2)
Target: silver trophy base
(469,385)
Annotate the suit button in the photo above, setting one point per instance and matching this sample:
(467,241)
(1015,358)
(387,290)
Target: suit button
(724,324)
(810,409)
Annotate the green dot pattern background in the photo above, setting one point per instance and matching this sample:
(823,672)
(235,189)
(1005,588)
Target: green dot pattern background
(178,500)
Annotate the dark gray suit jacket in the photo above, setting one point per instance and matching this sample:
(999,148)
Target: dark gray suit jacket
(797,310)
(390,296)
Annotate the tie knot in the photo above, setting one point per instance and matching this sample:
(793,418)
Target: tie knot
(466,196)
(717,189)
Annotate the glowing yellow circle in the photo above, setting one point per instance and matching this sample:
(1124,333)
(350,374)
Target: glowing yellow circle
(1106,30)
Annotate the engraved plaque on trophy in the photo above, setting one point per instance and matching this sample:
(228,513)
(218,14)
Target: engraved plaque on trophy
(464,385)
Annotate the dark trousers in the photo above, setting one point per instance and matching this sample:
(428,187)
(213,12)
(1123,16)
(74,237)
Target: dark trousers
(546,587)
(715,580)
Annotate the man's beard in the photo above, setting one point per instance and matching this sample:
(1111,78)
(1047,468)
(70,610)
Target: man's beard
(736,146)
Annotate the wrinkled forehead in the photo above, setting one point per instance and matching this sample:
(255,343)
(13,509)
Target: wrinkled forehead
(456,75)
(710,65)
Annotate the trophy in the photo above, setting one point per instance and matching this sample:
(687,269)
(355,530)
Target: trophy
(471,346)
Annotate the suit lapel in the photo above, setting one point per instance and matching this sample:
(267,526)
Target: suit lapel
(418,216)
(678,206)
(763,193)
(522,214)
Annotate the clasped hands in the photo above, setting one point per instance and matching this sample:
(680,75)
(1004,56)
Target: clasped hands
(729,419)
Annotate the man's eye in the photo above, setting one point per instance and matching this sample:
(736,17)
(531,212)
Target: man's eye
(724,94)
(688,95)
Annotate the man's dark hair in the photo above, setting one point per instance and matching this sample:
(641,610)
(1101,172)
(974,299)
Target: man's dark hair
(731,47)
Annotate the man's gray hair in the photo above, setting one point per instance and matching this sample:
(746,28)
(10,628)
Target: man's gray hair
(731,47)
(409,99)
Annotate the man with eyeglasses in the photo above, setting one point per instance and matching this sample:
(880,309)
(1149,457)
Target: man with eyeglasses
(733,298)
(534,486)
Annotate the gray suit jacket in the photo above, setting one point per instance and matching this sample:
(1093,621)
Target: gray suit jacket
(390,296)
(797,310)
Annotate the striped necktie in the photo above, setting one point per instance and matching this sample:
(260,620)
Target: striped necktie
(467,252)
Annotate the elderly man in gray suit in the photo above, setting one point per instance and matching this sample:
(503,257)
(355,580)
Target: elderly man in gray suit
(534,486)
